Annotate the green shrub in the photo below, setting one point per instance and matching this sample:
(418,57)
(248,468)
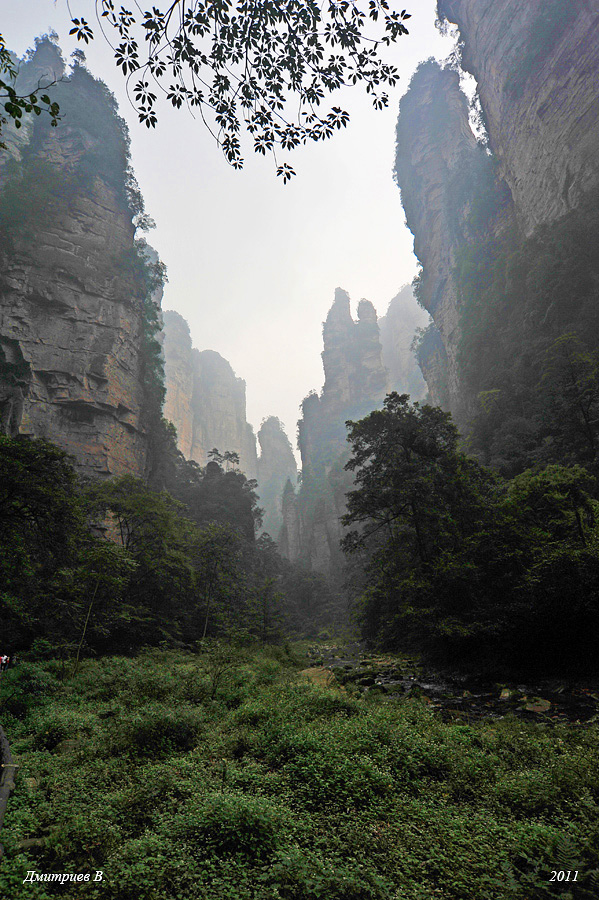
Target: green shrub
(156,730)
(58,725)
(301,875)
(234,824)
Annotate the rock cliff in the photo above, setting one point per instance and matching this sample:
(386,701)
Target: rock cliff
(536,65)
(438,167)
(205,400)
(276,467)
(355,383)
(73,300)
(397,328)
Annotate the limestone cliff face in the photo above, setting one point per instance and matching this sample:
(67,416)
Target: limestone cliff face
(179,375)
(355,383)
(536,65)
(276,467)
(71,315)
(219,412)
(205,400)
(352,355)
(398,327)
(438,163)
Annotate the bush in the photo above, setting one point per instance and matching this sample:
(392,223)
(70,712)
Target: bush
(301,875)
(156,731)
(234,824)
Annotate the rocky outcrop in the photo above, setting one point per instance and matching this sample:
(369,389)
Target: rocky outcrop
(536,65)
(439,167)
(72,316)
(205,400)
(352,355)
(355,383)
(397,328)
(276,468)
(219,416)
(178,375)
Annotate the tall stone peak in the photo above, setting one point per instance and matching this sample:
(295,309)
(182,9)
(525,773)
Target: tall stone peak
(277,468)
(355,383)
(366,311)
(42,67)
(205,400)
(439,168)
(275,448)
(536,66)
(73,321)
(351,357)
(339,319)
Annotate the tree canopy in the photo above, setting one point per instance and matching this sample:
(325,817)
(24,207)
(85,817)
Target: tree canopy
(461,563)
(264,66)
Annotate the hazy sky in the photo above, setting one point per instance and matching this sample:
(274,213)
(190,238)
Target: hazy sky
(252,263)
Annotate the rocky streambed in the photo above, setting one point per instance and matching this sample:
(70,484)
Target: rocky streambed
(455,696)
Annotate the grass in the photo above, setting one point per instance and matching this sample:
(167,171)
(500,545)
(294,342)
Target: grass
(181,779)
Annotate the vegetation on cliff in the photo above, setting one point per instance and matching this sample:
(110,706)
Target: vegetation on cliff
(36,190)
(528,359)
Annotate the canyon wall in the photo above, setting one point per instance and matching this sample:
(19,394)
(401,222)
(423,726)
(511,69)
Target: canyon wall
(205,400)
(438,167)
(536,67)
(73,301)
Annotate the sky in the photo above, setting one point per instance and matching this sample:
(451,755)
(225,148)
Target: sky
(252,263)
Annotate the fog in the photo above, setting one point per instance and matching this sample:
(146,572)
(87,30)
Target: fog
(253,263)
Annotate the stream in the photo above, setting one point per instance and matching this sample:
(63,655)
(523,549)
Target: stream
(457,697)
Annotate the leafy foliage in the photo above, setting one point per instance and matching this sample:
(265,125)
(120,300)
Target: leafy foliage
(250,63)
(51,565)
(14,104)
(272,786)
(87,568)
(462,564)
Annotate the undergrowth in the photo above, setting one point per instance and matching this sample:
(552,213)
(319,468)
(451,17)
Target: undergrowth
(180,779)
